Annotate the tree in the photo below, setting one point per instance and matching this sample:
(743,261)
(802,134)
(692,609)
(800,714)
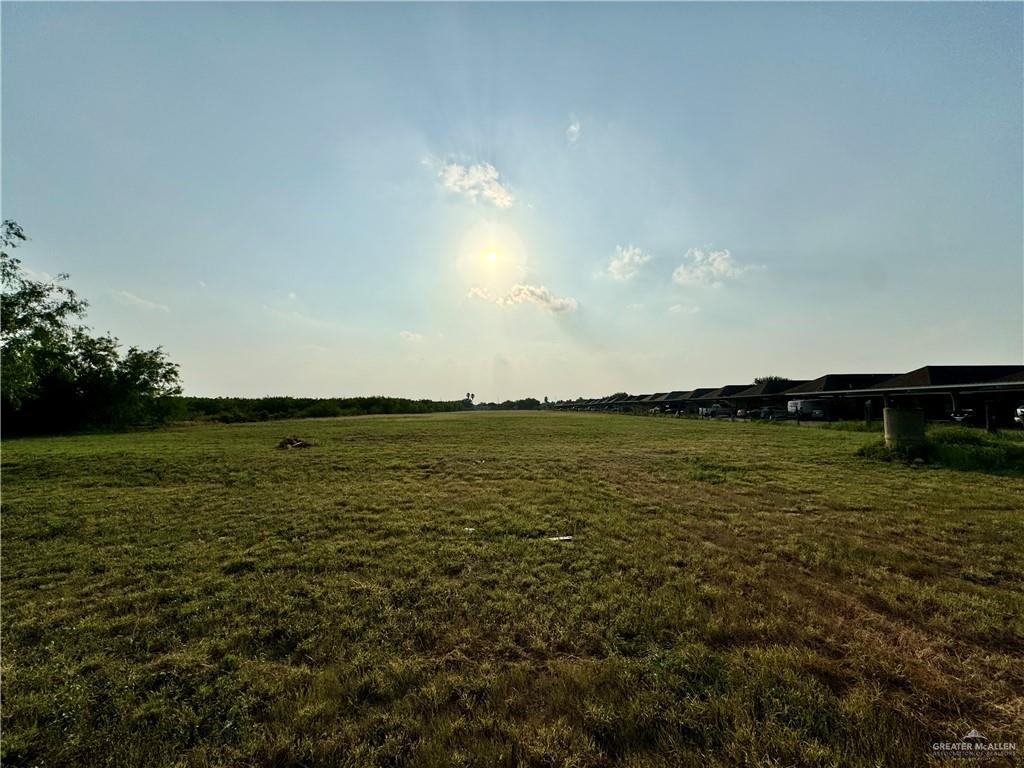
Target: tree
(770,379)
(56,375)
(35,335)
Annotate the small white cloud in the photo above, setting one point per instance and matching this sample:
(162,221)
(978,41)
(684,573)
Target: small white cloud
(627,262)
(481,180)
(202,285)
(572,133)
(292,296)
(529,294)
(683,309)
(294,316)
(137,301)
(709,267)
(411,336)
(634,307)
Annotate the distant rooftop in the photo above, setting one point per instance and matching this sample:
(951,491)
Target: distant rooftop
(695,394)
(838,382)
(772,387)
(1013,378)
(679,394)
(943,375)
(671,397)
(727,391)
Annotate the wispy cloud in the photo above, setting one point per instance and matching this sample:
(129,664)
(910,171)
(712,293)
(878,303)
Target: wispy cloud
(202,284)
(703,266)
(684,309)
(528,294)
(572,133)
(627,262)
(411,336)
(541,296)
(137,301)
(301,318)
(476,182)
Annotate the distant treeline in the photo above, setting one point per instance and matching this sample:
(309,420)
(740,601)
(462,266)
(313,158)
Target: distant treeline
(235,409)
(526,404)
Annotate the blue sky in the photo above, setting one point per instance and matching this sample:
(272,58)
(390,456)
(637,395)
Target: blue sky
(524,200)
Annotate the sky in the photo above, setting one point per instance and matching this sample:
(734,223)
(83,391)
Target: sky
(560,200)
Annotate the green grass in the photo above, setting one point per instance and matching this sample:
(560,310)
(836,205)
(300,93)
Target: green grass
(960,448)
(733,595)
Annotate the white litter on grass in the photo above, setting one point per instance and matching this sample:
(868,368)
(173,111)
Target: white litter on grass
(469,530)
(559,538)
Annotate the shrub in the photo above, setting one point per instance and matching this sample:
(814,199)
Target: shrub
(958,448)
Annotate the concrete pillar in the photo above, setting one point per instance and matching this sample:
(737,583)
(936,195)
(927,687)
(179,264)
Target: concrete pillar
(904,427)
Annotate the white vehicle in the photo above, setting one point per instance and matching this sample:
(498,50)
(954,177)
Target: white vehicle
(1018,415)
(807,409)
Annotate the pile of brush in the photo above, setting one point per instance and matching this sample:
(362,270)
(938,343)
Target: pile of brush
(294,442)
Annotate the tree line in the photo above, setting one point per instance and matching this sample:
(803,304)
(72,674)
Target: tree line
(237,409)
(57,376)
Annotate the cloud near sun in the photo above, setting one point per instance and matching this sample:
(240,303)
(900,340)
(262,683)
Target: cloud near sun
(478,181)
(523,293)
(707,267)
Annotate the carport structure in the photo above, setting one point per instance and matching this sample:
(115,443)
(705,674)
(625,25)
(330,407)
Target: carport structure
(849,395)
(689,402)
(670,402)
(991,390)
(635,403)
(618,403)
(722,395)
(651,402)
(936,389)
(764,394)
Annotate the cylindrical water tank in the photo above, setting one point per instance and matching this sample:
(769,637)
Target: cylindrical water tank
(904,427)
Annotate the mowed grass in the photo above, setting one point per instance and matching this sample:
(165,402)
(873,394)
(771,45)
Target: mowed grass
(733,594)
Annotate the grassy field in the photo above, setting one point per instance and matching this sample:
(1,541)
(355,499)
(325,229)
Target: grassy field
(733,594)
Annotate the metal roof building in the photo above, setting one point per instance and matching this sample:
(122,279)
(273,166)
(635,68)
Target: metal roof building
(838,383)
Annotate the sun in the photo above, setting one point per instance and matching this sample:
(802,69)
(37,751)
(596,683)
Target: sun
(491,257)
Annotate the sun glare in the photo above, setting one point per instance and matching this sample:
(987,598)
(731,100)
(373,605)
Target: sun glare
(492,257)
